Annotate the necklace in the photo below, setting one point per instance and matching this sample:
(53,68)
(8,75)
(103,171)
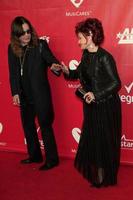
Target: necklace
(22,60)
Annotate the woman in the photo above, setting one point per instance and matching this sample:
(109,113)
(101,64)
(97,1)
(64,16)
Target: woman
(29,59)
(98,154)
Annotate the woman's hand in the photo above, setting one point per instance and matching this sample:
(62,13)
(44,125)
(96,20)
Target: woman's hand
(89,97)
(16,100)
(64,68)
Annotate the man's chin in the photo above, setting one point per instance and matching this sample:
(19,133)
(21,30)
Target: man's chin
(26,42)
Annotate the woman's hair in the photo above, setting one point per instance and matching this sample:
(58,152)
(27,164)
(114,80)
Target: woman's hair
(17,31)
(91,26)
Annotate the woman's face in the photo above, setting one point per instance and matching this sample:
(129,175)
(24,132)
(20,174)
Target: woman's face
(83,41)
(26,36)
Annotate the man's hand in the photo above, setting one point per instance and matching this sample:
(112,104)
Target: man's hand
(16,100)
(64,68)
(55,67)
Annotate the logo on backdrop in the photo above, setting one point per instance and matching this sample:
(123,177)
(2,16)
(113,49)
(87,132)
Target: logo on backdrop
(128,98)
(125,143)
(1,127)
(44,37)
(77,3)
(73,64)
(126,37)
(1,130)
(76,134)
(40,141)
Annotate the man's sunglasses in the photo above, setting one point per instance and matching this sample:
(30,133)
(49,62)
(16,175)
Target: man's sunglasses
(24,32)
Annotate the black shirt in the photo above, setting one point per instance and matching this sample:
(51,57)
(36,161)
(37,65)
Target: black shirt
(26,93)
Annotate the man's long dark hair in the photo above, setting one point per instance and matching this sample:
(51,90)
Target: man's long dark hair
(17,30)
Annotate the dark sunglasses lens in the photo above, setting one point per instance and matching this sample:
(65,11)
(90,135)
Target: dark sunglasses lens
(24,32)
(28,31)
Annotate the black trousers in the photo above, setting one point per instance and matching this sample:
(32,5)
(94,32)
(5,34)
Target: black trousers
(28,115)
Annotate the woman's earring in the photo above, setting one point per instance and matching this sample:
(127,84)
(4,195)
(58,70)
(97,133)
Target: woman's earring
(91,46)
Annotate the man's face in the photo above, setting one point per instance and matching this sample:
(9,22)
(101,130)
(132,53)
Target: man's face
(26,36)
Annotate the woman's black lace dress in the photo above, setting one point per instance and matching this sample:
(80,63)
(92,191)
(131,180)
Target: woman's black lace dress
(98,154)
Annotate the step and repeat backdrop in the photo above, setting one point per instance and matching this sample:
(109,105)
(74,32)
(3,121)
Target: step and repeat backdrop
(55,21)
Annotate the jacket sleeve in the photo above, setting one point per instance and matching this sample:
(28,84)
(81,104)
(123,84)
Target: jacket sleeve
(73,75)
(112,84)
(12,71)
(47,54)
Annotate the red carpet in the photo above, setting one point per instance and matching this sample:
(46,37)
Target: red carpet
(26,182)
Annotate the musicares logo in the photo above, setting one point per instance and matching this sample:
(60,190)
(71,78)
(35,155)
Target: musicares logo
(73,64)
(40,140)
(1,127)
(1,130)
(78,12)
(76,134)
(77,3)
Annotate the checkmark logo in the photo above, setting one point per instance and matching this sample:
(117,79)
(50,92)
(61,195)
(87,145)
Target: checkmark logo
(77,3)
(128,88)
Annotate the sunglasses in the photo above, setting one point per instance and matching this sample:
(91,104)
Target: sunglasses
(28,31)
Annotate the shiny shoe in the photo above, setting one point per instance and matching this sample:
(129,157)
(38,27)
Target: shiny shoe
(97,185)
(30,160)
(48,166)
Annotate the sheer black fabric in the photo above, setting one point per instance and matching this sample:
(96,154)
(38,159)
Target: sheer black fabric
(98,154)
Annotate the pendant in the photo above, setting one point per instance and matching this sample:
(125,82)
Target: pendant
(21,72)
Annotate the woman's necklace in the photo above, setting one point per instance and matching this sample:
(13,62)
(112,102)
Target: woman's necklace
(22,60)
